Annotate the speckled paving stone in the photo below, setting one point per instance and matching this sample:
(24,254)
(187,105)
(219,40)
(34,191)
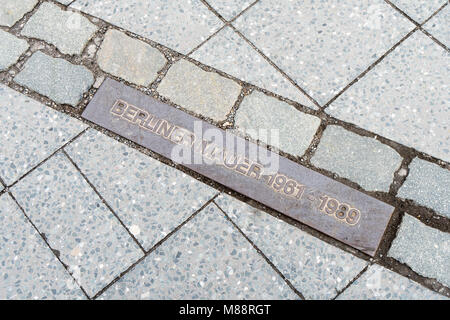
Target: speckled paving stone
(206,259)
(11,48)
(12,11)
(363,160)
(296,129)
(378,283)
(67,30)
(89,238)
(178,25)
(229,8)
(404,98)
(314,267)
(419,10)
(439,26)
(428,184)
(202,92)
(228,52)
(55,78)
(426,250)
(29,270)
(129,59)
(150,197)
(323,45)
(29,133)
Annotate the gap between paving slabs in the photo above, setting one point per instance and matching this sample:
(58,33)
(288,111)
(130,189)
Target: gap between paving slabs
(50,49)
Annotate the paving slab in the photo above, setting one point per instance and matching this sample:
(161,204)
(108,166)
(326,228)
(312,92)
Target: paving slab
(206,259)
(29,269)
(323,46)
(229,9)
(30,132)
(178,25)
(130,59)
(426,250)
(301,193)
(428,184)
(12,11)
(404,98)
(363,160)
(378,283)
(314,267)
(439,27)
(419,10)
(150,197)
(228,52)
(55,78)
(69,31)
(11,48)
(259,111)
(202,92)
(89,239)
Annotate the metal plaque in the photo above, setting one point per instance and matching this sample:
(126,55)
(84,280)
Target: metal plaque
(326,205)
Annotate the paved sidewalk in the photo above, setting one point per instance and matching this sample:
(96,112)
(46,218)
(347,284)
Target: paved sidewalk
(358,91)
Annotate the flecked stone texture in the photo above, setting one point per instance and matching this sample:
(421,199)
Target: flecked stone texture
(228,52)
(129,59)
(29,270)
(404,98)
(206,259)
(202,92)
(314,267)
(419,10)
(55,78)
(363,160)
(29,133)
(323,45)
(66,2)
(67,30)
(428,184)
(259,111)
(12,11)
(151,198)
(11,48)
(426,250)
(229,8)
(89,239)
(378,283)
(439,26)
(179,25)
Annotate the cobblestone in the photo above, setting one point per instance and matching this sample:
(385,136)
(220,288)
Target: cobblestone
(11,48)
(12,11)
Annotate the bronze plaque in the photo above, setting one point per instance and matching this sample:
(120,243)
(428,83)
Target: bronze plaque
(326,205)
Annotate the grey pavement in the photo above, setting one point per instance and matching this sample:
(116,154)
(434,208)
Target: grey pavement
(355,90)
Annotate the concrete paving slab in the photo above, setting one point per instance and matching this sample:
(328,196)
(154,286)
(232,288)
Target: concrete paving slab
(227,51)
(89,239)
(55,78)
(426,250)
(29,133)
(323,45)
(363,160)
(206,259)
(150,197)
(378,283)
(439,26)
(419,10)
(404,98)
(314,268)
(229,8)
(178,25)
(29,269)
